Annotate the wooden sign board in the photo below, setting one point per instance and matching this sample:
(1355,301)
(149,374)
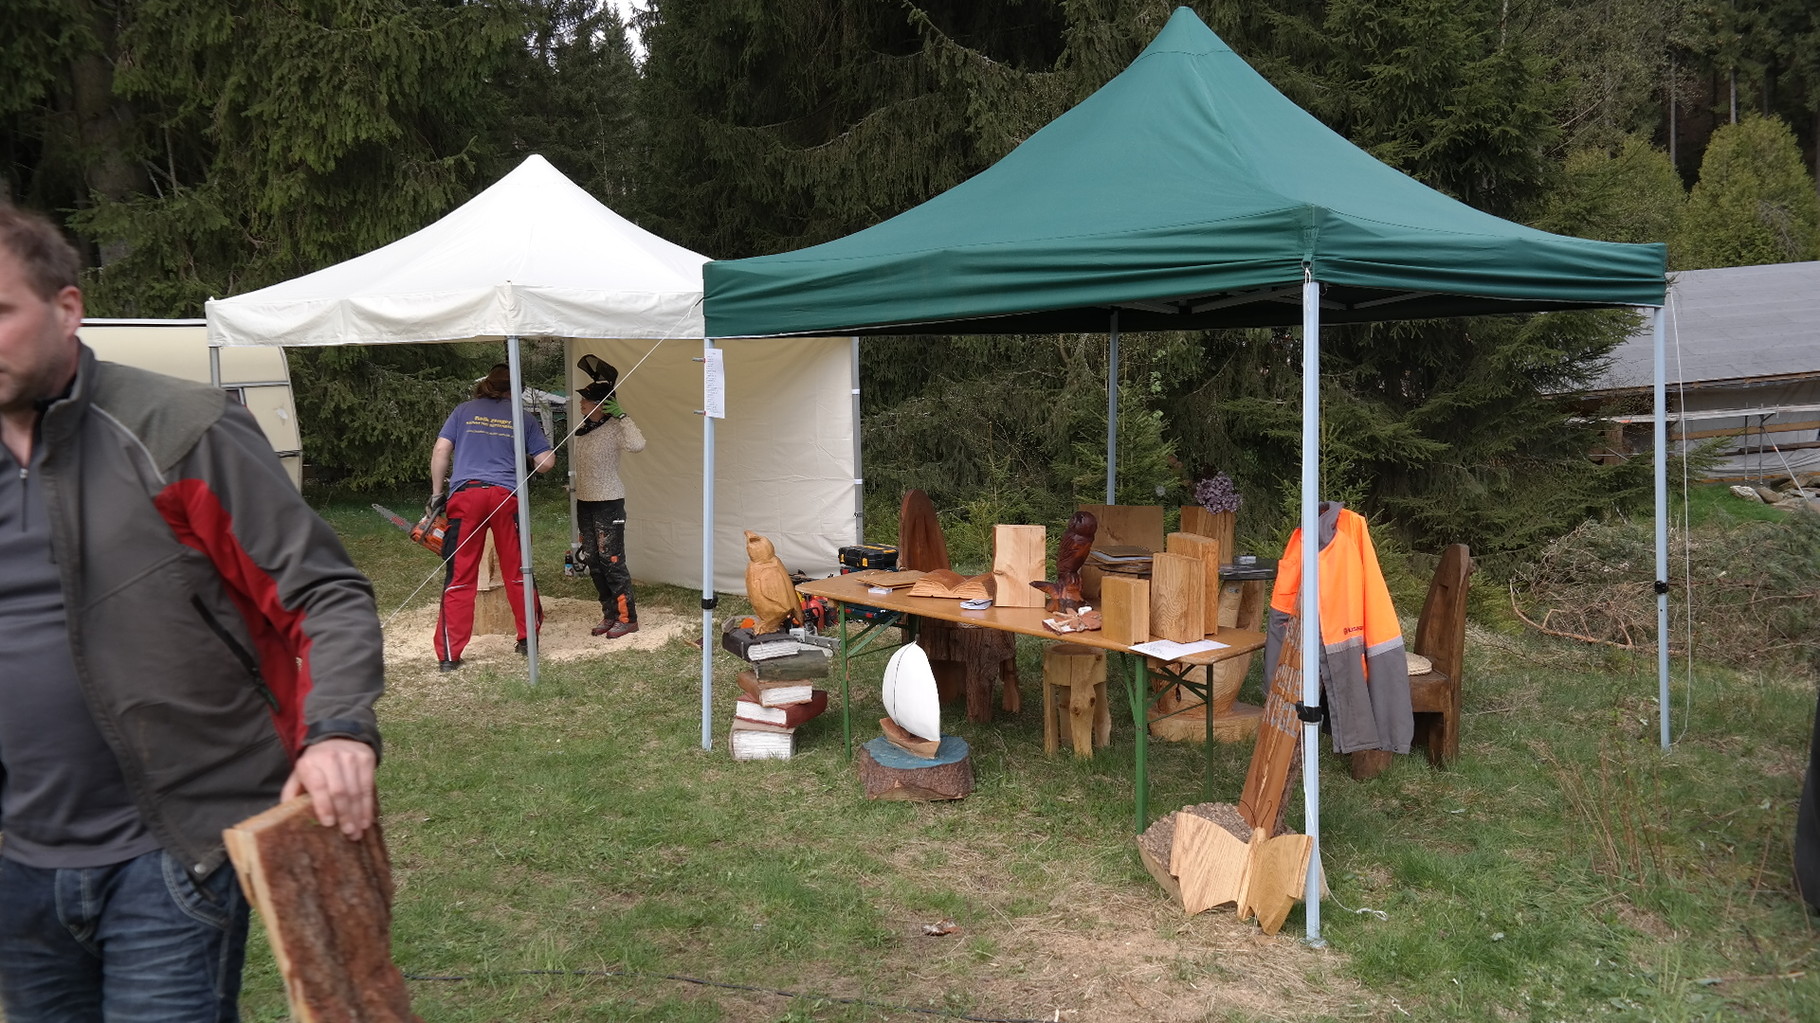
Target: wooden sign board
(1019,558)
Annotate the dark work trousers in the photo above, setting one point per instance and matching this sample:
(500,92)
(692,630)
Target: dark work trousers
(603,536)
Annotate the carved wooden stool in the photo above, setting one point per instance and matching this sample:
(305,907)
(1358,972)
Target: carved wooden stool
(1079,672)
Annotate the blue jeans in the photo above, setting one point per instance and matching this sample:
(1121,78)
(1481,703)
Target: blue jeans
(134,942)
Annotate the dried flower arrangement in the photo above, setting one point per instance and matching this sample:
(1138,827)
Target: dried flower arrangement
(1216,493)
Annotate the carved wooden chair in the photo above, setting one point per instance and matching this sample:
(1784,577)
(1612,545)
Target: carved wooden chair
(1441,637)
(1435,695)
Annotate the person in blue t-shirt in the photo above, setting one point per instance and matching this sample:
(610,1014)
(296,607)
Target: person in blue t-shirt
(474,454)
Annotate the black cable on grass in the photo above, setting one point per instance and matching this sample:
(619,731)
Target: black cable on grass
(745,987)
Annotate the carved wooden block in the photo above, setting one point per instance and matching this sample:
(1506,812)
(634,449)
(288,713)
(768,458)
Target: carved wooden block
(1125,609)
(1219,525)
(1208,551)
(327,907)
(1019,558)
(1178,589)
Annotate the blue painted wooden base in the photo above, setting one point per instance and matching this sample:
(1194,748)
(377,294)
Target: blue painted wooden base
(953,748)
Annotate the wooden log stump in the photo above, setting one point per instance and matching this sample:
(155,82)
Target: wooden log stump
(887,772)
(492,608)
(1207,856)
(327,907)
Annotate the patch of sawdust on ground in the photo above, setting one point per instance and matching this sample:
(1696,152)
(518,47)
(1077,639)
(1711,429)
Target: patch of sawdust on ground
(410,658)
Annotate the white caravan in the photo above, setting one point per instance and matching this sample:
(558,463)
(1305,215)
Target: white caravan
(258,378)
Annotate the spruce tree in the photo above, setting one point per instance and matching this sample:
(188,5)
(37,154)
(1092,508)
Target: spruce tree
(1754,202)
(1631,194)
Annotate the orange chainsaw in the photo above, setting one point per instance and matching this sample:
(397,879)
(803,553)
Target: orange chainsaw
(429,530)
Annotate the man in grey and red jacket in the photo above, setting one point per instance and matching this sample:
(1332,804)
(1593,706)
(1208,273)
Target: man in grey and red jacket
(183,642)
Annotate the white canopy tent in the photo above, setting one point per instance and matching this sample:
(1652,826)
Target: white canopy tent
(535,255)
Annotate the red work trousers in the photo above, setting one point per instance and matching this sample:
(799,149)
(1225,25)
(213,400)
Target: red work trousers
(474,511)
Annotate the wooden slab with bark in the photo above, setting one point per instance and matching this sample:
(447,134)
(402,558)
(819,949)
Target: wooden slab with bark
(1276,759)
(327,907)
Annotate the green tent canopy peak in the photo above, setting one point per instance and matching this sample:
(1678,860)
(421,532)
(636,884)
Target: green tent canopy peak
(1185,193)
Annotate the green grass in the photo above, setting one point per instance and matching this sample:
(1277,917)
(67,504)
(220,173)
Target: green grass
(1714,505)
(1567,869)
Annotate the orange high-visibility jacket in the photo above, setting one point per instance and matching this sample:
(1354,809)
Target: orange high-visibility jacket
(1364,670)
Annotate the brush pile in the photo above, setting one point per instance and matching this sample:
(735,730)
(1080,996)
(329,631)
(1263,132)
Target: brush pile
(1752,590)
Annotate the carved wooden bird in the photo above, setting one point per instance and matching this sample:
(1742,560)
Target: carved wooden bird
(768,587)
(1070,554)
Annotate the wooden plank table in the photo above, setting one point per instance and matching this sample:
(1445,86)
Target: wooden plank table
(844,590)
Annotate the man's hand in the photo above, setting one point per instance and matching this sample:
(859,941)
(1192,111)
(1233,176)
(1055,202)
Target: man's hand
(338,775)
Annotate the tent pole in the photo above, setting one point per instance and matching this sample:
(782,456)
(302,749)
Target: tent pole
(1311,586)
(1661,427)
(707,552)
(1112,412)
(859,476)
(568,363)
(524,504)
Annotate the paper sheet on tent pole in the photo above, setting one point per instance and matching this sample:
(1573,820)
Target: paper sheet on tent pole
(784,461)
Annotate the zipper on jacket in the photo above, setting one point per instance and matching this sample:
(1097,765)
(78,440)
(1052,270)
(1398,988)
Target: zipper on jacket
(240,653)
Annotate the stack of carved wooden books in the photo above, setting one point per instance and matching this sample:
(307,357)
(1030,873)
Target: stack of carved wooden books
(777,694)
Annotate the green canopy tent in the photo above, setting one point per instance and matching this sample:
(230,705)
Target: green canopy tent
(1187,193)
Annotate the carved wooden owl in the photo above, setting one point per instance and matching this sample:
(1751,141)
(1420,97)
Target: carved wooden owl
(1065,590)
(768,587)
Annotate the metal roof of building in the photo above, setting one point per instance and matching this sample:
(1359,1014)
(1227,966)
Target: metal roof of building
(1731,323)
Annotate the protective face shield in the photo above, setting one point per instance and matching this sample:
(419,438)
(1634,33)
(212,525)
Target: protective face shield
(605,378)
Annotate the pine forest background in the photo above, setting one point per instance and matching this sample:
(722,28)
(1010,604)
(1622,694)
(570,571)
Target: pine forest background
(201,150)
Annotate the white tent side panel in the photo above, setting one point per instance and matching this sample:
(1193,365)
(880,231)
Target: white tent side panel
(784,456)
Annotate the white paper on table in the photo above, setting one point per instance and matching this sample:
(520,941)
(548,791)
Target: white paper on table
(1169,650)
